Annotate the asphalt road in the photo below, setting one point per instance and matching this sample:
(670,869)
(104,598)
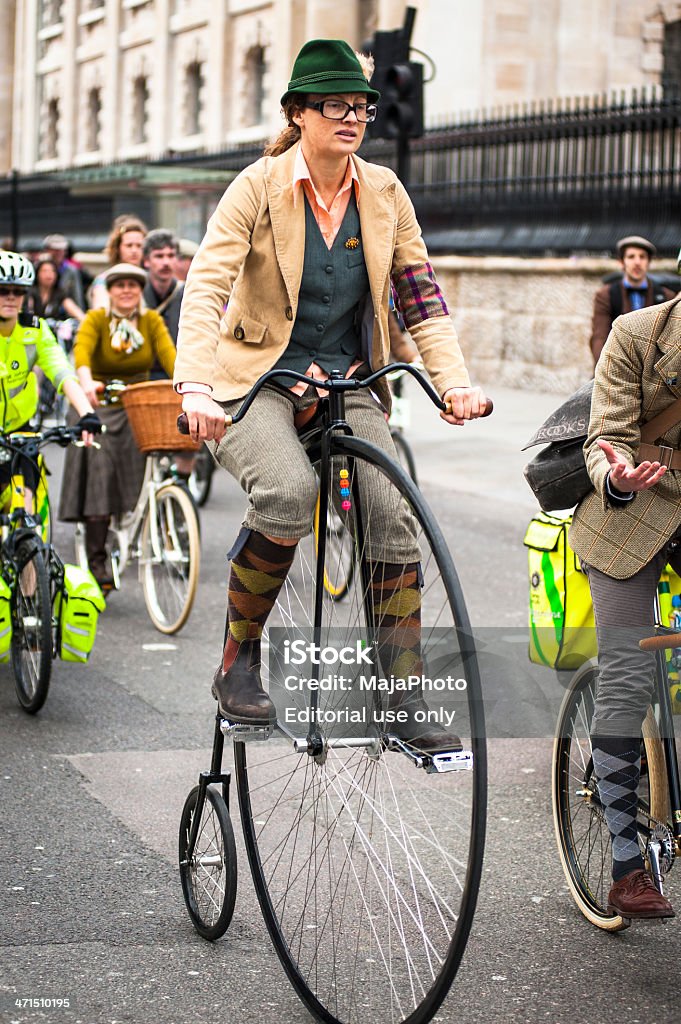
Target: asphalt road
(91,791)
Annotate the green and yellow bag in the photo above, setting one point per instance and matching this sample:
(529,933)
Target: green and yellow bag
(562,629)
(5,621)
(77,608)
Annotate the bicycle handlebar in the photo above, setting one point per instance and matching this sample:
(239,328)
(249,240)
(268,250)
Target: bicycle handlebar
(29,443)
(334,383)
(661,642)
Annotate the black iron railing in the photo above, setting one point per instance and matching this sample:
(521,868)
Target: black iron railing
(557,175)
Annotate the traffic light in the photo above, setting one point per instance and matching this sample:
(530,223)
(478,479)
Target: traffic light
(400,83)
(400,108)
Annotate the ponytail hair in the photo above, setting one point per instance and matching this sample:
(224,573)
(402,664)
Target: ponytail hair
(291,133)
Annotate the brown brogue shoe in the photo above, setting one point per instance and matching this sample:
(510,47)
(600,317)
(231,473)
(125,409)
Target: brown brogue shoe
(636,896)
(239,691)
(417,731)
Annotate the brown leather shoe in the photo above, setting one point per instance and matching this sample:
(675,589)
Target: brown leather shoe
(425,736)
(239,691)
(635,896)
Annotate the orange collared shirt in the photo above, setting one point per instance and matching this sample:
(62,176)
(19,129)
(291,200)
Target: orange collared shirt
(329,220)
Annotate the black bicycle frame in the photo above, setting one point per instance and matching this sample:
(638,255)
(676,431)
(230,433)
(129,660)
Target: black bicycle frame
(213,777)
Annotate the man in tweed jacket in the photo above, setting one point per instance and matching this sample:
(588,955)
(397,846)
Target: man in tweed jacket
(624,532)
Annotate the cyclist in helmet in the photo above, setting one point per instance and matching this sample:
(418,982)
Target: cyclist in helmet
(624,532)
(25,342)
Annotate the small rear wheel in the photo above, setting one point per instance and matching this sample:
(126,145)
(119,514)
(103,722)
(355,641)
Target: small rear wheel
(169,560)
(209,876)
(31,626)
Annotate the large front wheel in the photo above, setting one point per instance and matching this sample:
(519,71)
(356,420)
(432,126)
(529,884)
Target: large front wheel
(31,626)
(366,866)
(584,842)
(169,558)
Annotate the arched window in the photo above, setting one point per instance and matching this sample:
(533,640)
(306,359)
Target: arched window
(671,55)
(140,109)
(255,85)
(50,136)
(194,83)
(93,123)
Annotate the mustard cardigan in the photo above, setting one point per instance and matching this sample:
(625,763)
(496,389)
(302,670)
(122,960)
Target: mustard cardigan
(93,348)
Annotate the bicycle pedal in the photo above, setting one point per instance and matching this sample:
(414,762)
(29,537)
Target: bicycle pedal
(450,761)
(241,733)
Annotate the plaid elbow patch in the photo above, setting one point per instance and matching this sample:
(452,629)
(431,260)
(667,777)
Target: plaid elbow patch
(419,295)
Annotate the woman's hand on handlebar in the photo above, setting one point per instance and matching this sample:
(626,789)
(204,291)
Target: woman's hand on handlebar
(465,404)
(205,417)
(89,424)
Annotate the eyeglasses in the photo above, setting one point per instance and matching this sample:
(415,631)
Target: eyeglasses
(18,293)
(337,110)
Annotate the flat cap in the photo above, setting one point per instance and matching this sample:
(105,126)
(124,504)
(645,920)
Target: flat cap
(55,242)
(187,248)
(639,241)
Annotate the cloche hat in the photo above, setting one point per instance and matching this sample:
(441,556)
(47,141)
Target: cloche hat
(328,66)
(125,271)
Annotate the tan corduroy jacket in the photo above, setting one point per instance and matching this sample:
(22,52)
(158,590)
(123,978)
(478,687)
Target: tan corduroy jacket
(637,377)
(252,257)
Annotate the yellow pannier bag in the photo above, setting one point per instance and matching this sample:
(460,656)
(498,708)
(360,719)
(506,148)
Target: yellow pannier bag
(668,589)
(77,609)
(562,629)
(5,621)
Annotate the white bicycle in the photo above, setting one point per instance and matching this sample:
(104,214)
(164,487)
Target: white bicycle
(162,531)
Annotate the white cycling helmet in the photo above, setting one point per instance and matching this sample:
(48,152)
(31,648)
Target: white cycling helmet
(678,262)
(16,269)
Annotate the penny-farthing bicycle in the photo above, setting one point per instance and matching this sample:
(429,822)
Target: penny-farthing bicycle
(365,852)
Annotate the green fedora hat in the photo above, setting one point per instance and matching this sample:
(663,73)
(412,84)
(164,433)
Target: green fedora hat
(328,66)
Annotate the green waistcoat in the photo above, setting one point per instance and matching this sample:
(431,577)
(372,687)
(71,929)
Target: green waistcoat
(333,283)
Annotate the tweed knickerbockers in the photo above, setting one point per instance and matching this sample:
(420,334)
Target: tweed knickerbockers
(264,454)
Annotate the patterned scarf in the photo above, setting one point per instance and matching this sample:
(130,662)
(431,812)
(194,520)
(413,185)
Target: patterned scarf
(124,335)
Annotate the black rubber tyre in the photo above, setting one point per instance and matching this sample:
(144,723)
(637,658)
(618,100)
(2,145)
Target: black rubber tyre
(31,626)
(366,868)
(201,477)
(405,454)
(584,843)
(209,880)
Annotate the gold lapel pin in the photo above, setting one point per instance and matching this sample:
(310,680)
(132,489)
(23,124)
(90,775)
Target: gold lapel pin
(352,243)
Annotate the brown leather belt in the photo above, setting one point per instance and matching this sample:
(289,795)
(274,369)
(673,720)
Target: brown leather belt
(662,453)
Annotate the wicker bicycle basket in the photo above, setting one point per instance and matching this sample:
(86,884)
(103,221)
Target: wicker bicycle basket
(153,407)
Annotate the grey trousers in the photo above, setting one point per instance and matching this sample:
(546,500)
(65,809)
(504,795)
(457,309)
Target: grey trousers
(623,610)
(264,454)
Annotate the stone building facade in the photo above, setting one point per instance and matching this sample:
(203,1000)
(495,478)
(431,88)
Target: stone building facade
(103,80)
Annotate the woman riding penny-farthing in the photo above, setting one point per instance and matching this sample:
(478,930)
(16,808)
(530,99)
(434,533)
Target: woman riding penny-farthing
(366,870)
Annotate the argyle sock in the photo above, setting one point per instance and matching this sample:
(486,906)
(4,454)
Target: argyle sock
(617,762)
(396,595)
(257,575)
